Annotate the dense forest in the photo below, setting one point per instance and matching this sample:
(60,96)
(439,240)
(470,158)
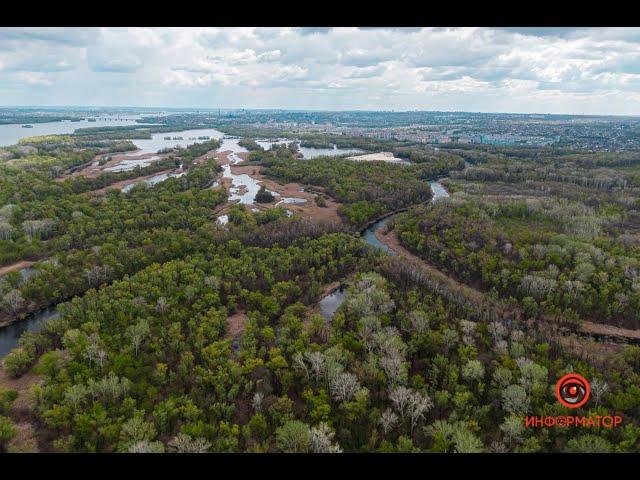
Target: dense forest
(561,244)
(180,333)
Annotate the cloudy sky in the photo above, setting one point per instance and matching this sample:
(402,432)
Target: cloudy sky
(543,70)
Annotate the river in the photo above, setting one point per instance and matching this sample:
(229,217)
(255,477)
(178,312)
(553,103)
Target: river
(12,133)
(244,189)
(369,235)
(330,303)
(309,152)
(10,334)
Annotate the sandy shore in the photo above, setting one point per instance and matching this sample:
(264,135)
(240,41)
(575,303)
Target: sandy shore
(380,156)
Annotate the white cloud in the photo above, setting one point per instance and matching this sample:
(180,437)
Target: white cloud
(513,69)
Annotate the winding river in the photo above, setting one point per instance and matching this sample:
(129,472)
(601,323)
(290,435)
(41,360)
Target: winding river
(369,234)
(10,335)
(330,303)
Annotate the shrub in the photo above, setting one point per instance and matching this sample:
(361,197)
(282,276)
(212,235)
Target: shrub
(264,196)
(18,362)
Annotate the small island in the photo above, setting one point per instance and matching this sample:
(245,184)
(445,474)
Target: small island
(264,195)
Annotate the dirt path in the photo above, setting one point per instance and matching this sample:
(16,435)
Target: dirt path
(15,266)
(392,241)
(21,413)
(610,331)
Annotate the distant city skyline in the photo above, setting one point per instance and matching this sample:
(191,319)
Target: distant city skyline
(575,71)
(46,108)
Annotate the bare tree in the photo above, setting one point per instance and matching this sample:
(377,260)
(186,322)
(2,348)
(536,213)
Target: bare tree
(598,389)
(317,363)
(468,331)
(97,275)
(14,302)
(6,231)
(370,297)
(396,369)
(531,374)
(101,356)
(138,333)
(344,386)
(256,401)
(162,305)
(183,443)
(212,282)
(322,438)
(367,327)
(497,331)
(110,388)
(498,447)
(146,446)
(388,420)
(417,407)
(418,321)
(400,397)
(37,228)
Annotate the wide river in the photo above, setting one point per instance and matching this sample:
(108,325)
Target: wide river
(12,133)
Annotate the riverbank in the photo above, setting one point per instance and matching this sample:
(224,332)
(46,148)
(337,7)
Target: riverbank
(123,183)
(391,240)
(15,266)
(21,412)
(591,329)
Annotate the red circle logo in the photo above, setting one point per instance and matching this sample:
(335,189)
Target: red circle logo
(573,390)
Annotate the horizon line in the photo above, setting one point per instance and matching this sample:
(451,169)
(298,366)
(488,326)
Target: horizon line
(105,107)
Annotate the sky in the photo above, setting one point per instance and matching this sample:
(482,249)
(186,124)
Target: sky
(524,70)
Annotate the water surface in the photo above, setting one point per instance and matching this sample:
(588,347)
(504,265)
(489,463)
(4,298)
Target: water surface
(369,235)
(128,165)
(12,133)
(151,181)
(330,304)
(10,334)
(310,152)
(165,140)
